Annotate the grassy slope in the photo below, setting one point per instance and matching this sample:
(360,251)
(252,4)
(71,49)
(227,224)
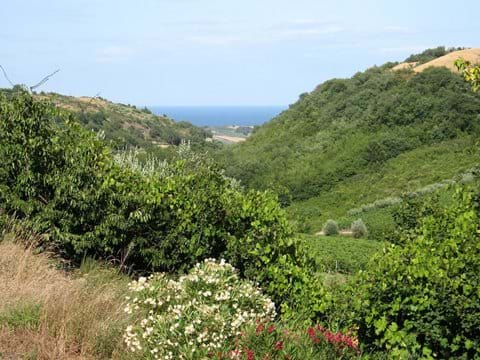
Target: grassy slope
(472,55)
(405,173)
(46,313)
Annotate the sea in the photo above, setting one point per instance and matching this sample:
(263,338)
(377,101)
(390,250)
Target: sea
(218,116)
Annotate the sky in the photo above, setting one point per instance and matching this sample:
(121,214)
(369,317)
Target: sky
(217,52)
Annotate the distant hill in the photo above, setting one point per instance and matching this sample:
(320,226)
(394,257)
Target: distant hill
(352,142)
(447,60)
(126,125)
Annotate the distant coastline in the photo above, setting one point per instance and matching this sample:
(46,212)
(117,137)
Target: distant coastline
(218,116)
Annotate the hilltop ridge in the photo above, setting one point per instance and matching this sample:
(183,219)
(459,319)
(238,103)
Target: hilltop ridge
(472,55)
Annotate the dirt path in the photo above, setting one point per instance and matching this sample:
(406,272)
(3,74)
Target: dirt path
(341,232)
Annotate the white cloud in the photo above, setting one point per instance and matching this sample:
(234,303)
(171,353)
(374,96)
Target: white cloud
(248,35)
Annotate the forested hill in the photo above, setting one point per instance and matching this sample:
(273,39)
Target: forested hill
(126,125)
(354,141)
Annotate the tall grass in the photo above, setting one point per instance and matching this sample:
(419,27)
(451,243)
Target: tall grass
(46,313)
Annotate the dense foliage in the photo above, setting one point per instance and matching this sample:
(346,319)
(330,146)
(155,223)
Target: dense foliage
(337,141)
(421,299)
(65,182)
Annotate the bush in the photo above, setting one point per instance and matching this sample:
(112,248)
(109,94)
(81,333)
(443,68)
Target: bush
(330,228)
(292,341)
(196,315)
(359,229)
(421,299)
(64,181)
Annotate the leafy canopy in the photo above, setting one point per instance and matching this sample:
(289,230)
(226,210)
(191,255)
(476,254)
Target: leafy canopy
(65,183)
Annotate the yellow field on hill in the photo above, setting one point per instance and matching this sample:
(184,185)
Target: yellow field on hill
(472,55)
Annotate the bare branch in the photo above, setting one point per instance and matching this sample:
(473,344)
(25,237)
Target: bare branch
(6,76)
(44,80)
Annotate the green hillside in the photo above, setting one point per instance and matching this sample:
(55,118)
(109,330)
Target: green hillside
(351,142)
(127,126)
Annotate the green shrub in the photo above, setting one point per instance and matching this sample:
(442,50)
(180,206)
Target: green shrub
(330,228)
(409,214)
(64,181)
(379,151)
(379,223)
(422,299)
(196,315)
(292,341)
(359,229)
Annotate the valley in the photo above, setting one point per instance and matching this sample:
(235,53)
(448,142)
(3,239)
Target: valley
(346,227)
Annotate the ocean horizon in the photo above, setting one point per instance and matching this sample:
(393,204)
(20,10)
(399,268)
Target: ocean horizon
(216,116)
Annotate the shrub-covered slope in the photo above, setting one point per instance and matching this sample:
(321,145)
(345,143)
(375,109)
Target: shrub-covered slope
(126,125)
(354,141)
(64,182)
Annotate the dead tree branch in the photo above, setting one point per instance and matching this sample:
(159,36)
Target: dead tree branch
(44,80)
(6,76)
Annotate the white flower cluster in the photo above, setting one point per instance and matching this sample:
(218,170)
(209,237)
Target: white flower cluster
(195,315)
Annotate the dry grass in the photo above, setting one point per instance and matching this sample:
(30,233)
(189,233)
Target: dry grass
(472,55)
(80,315)
(405,65)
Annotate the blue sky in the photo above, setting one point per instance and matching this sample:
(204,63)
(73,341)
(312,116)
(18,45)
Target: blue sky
(217,52)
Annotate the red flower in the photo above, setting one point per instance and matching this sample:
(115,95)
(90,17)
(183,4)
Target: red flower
(313,335)
(279,345)
(271,329)
(338,340)
(259,328)
(250,354)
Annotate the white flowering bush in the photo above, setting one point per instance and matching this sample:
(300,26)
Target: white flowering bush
(194,316)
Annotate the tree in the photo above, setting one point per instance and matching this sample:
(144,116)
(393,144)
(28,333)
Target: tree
(471,73)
